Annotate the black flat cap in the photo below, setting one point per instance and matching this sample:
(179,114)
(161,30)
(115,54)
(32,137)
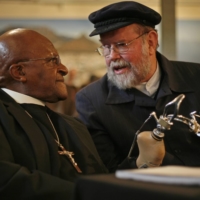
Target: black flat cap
(121,14)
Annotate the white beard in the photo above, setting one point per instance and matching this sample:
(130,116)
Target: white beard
(134,75)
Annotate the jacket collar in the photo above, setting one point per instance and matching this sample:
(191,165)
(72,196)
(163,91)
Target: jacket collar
(173,75)
(26,122)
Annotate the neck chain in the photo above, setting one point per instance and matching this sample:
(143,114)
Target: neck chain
(63,151)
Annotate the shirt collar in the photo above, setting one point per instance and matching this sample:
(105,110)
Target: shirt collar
(22,98)
(150,87)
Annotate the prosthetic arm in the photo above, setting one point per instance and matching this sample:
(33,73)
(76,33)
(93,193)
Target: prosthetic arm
(151,144)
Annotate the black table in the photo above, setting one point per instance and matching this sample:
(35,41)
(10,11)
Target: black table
(108,187)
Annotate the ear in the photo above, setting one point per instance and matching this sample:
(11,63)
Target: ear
(17,72)
(152,41)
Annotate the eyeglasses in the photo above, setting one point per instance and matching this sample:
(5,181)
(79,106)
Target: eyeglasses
(55,59)
(121,47)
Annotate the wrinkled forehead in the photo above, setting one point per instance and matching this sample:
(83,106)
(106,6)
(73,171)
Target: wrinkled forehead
(43,48)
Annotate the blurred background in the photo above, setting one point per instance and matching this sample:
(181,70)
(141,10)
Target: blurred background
(65,23)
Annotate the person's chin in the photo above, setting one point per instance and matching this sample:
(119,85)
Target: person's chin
(62,95)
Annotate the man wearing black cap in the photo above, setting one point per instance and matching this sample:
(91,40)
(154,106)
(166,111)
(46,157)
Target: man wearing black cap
(139,80)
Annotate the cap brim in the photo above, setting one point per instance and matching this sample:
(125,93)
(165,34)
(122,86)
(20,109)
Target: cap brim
(110,27)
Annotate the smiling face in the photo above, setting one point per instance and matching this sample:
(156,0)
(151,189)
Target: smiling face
(33,65)
(137,65)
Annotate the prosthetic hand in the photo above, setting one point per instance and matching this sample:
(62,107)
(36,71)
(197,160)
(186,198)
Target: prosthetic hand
(151,151)
(150,143)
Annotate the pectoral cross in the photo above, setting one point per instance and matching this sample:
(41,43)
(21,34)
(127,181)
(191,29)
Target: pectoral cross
(69,155)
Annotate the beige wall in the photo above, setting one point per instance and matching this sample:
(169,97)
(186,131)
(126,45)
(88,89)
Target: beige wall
(76,9)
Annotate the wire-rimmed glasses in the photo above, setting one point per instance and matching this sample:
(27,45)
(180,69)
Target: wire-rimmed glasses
(54,59)
(121,47)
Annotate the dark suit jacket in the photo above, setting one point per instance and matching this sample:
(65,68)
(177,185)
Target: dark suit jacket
(113,116)
(30,167)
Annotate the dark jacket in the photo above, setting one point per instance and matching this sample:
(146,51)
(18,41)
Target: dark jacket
(30,166)
(113,116)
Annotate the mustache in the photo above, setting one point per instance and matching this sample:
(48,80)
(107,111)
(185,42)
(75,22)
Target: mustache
(119,63)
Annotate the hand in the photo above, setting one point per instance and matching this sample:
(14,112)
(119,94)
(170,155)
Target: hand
(151,151)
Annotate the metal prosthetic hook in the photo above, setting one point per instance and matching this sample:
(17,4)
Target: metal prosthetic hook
(193,124)
(164,122)
(176,103)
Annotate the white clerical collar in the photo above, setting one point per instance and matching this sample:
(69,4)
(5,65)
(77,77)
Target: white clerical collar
(150,87)
(22,98)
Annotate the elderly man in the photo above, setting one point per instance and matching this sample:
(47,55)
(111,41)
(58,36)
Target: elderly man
(42,152)
(139,80)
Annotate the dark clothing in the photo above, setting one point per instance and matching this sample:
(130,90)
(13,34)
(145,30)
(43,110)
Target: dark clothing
(30,166)
(113,116)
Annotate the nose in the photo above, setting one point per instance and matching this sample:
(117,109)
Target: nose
(114,54)
(62,69)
